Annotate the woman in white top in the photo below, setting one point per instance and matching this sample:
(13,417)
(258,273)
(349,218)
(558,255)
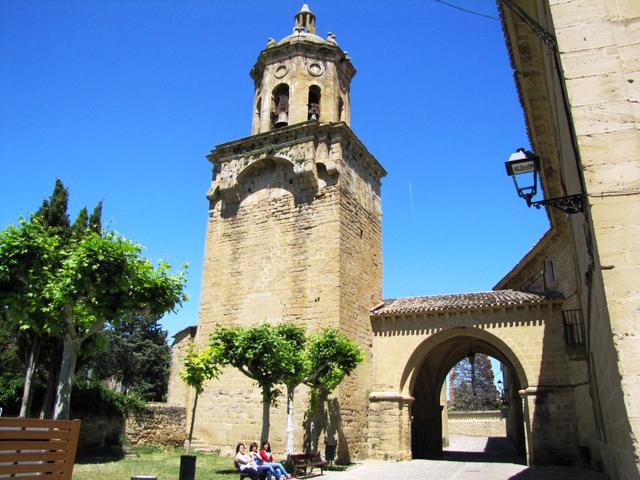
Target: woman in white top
(245,462)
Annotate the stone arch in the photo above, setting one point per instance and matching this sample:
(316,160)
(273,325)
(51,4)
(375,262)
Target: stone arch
(313,102)
(265,179)
(263,163)
(507,352)
(425,374)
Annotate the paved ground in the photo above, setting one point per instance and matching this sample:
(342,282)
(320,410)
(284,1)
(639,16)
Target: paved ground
(467,458)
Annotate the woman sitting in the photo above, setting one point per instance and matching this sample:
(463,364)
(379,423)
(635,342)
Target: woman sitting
(265,456)
(246,463)
(262,466)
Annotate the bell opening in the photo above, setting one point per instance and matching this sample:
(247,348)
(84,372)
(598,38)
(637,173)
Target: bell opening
(280,109)
(313,104)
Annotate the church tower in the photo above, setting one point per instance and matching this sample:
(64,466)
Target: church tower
(294,234)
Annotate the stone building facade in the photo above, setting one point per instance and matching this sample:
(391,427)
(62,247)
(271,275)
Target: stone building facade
(294,235)
(579,90)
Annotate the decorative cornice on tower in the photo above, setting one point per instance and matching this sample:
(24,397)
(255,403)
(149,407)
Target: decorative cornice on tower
(302,146)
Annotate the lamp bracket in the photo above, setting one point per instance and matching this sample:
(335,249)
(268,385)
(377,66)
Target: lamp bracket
(569,204)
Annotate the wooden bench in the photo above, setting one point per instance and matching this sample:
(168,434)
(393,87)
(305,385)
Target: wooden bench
(305,463)
(31,448)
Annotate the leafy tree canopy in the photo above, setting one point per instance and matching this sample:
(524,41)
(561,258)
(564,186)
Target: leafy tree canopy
(73,280)
(267,354)
(132,356)
(331,356)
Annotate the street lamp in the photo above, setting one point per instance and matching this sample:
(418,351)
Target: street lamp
(524,165)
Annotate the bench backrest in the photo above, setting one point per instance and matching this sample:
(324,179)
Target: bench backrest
(306,457)
(32,448)
(298,457)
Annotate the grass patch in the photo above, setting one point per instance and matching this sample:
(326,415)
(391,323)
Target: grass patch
(163,463)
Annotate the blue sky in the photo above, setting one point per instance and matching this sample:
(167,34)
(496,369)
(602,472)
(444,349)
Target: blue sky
(123,99)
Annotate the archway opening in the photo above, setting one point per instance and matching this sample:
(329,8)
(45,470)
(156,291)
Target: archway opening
(430,412)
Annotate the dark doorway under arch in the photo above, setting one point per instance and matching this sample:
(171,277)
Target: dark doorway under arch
(426,410)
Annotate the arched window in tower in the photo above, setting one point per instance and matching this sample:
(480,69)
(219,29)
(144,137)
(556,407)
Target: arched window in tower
(340,110)
(259,107)
(314,103)
(280,106)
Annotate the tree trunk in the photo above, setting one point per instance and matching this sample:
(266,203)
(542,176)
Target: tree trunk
(290,393)
(65,379)
(27,396)
(193,421)
(319,419)
(266,404)
(46,411)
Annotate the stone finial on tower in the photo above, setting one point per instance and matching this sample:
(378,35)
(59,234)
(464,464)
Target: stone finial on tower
(305,20)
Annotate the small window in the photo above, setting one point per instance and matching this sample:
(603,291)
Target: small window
(549,273)
(259,107)
(340,110)
(280,106)
(574,333)
(313,104)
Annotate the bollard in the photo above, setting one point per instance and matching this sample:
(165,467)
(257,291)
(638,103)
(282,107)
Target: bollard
(187,467)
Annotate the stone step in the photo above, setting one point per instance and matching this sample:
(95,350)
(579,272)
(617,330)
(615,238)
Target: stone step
(198,445)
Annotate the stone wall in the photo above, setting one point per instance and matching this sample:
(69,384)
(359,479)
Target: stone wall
(477,424)
(100,433)
(599,53)
(160,424)
(178,393)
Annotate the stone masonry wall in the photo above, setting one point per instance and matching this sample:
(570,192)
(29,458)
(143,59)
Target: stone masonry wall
(178,393)
(600,53)
(272,261)
(161,424)
(477,424)
(292,237)
(360,282)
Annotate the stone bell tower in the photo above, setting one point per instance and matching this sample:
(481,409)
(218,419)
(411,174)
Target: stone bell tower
(293,235)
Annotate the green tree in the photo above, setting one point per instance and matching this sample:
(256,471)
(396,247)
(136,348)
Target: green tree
(103,278)
(473,387)
(294,351)
(135,357)
(27,258)
(284,355)
(331,356)
(72,281)
(11,377)
(29,255)
(198,368)
(263,354)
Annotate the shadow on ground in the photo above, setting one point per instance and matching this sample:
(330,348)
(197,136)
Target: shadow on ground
(496,450)
(565,473)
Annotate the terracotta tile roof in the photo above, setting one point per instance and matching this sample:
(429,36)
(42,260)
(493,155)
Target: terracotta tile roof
(459,301)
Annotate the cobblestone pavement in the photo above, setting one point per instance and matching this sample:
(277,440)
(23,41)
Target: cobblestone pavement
(467,458)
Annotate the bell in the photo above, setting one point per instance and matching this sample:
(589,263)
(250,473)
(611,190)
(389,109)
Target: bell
(283,120)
